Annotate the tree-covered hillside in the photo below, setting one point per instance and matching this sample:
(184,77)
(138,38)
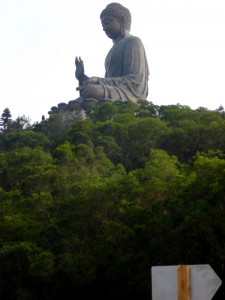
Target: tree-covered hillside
(88,206)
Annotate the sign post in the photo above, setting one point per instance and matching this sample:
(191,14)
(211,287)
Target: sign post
(184,288)
(184,282)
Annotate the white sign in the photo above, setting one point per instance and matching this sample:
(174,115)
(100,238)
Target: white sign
(204,282)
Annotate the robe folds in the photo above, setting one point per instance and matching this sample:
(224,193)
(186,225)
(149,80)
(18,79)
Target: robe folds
(126,71)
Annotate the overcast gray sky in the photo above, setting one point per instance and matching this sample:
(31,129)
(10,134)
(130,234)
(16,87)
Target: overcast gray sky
(39,39)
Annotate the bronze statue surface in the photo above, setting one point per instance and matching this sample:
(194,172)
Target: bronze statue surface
(126,66)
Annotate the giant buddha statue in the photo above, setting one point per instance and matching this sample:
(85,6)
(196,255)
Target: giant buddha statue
(126,66)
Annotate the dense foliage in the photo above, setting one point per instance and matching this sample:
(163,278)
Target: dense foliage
(89,206)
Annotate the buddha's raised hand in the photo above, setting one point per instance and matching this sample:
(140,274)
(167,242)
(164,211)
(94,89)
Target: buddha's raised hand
(79,64)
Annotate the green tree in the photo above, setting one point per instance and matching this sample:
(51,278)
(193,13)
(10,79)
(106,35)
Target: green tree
(26,169)
(21,122)
(23,138)
(144,134)
(5,118)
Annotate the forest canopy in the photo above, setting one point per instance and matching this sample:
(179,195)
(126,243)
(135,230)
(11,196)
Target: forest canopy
(89,205)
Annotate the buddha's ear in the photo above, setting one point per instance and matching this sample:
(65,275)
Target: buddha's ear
(122,22)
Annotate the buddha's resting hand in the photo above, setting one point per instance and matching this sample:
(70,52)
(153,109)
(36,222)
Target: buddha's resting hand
(79,64)
(92,80)
(93,91)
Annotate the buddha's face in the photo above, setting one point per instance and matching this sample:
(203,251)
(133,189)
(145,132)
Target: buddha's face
(112,26)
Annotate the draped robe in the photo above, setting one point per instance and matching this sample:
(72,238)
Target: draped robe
(126,71)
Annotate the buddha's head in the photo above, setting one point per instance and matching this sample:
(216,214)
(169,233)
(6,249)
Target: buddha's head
(116,20)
